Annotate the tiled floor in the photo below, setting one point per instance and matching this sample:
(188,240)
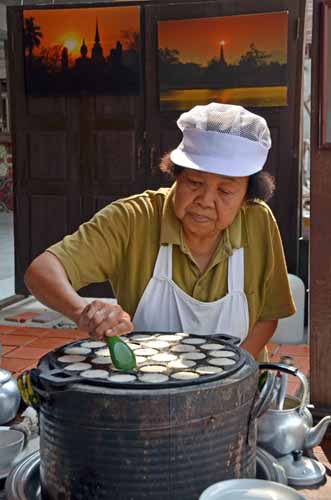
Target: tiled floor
(300,355)
(23,346)
(7,268)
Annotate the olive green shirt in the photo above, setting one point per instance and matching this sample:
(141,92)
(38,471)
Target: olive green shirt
(121,242)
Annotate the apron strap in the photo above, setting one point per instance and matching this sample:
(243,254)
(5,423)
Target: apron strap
(236,271)
(163,265)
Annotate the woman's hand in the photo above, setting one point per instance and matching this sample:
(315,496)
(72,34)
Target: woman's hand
(259,336)
(104,320)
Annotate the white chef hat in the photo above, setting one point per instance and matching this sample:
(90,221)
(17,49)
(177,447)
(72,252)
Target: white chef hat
(222,139)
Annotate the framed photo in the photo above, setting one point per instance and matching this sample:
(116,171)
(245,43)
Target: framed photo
(325,77)
(78,51)
(238,59)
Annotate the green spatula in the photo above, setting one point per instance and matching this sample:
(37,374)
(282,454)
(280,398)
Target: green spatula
(122,356)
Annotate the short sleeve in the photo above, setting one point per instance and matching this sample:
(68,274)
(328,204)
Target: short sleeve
(95,252)
(278,301)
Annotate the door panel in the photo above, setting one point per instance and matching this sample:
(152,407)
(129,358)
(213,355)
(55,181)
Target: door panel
(112,144)
(47,153)
(115,156)
(43,106)
(43,209)
(43,220)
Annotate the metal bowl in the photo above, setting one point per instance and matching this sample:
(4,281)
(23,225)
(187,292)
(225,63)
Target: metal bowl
(250,489)
(11,443)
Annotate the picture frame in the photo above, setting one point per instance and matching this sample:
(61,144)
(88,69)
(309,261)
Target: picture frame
(78,51)
(325,77)
(248,69)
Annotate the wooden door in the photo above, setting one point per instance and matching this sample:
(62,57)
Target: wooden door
(73,155)
(47,183)
(283,162)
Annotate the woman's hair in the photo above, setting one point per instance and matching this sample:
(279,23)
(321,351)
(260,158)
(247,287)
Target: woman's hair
(260,185)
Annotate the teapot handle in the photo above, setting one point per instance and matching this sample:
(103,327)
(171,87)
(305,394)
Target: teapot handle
(290,370)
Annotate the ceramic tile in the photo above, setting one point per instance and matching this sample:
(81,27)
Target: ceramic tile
(16,340)
(303,364)
(7,349)
(49,343)
(26,368)
(29,353)
(293,387)
(15,365)
(68,333)
(30,330)
(294,349)
(7,329)
(272,349)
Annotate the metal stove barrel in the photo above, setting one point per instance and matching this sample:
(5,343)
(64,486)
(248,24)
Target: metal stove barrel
(169,444)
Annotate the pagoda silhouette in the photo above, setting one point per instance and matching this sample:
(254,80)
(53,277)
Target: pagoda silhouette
(222,62)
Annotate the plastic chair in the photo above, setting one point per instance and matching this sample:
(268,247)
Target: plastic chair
(291,330)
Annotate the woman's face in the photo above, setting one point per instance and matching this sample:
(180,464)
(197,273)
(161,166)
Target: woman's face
(208,203)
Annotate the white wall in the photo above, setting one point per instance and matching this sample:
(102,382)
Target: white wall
(3,24)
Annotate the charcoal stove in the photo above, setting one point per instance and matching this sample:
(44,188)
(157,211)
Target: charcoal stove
(141,440)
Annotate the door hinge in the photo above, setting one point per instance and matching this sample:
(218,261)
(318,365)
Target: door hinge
(297,35)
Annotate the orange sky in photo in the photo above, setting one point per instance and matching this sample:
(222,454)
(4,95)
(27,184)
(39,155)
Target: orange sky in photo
(198,40)
(69,27)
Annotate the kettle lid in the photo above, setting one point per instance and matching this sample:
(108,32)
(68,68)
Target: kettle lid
(4,376)
(302,471)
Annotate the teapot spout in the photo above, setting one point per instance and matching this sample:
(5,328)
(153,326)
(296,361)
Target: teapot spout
(315,435)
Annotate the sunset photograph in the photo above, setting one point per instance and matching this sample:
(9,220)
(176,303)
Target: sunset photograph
(88,50)
(235,59)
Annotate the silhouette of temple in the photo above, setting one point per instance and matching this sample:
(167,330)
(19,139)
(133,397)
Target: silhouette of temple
(222,62)
(97,58)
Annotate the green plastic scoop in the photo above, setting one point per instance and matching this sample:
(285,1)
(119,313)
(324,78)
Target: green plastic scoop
(122,356)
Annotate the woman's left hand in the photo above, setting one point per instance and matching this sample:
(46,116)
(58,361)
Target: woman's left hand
(259,336)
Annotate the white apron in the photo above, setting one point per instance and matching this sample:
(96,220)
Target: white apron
(165,307)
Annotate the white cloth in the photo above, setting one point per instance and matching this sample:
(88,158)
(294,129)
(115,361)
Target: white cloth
(165,307)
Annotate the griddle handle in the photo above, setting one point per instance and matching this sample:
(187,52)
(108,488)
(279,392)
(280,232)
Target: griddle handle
(59,378)
(227,338)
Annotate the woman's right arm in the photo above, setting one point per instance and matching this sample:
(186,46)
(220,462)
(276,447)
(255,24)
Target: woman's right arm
(48,282)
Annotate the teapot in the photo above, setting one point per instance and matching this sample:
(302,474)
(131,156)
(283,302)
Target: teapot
(10,397)
(281,432)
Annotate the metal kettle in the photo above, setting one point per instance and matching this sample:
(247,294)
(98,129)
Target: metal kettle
(282,432)
(10,397)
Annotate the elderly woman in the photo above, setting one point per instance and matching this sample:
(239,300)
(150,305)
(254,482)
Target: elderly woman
(204,256)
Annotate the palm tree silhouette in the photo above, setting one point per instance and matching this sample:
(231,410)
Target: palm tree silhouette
(32,35)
